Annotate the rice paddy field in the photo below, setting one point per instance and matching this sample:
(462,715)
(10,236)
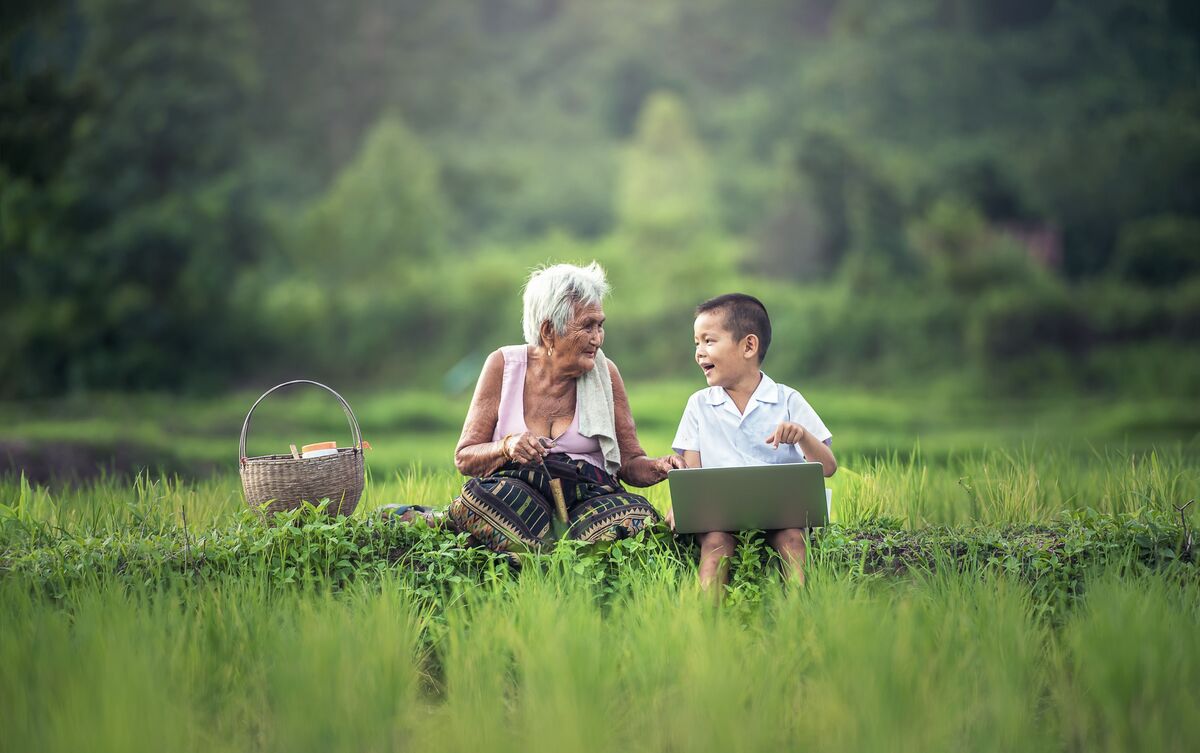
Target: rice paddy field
(998,576)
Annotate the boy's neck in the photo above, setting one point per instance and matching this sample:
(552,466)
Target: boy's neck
(741,390)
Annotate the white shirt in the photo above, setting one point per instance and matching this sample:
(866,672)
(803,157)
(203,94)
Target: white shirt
(712,426)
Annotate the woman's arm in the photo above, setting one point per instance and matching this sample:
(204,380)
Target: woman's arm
(636,468)
(477,454)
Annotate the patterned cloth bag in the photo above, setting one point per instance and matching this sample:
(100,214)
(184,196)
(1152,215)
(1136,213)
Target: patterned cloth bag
(510,511)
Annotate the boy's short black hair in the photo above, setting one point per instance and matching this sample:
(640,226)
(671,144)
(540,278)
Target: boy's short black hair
(744,315)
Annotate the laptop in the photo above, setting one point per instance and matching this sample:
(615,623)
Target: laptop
(787,495)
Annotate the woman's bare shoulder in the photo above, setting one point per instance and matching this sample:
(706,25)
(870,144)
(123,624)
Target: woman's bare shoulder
(492,374)
(494,359)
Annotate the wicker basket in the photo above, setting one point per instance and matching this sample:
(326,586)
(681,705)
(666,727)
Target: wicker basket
(283,482)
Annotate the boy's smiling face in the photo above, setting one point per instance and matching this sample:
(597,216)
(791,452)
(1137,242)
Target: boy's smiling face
(723,359)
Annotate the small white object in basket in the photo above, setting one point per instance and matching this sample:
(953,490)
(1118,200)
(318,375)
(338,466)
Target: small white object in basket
(318,449)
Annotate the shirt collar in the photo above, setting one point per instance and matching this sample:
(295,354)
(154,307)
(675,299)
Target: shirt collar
(766,392)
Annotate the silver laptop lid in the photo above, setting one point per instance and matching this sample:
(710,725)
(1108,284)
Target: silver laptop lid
(789,495)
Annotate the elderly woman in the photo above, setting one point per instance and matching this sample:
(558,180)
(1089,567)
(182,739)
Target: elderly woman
(553,411)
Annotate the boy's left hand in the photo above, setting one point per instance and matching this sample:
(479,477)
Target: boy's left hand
(786,433)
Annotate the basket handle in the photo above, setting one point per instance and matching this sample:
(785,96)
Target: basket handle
(357,433)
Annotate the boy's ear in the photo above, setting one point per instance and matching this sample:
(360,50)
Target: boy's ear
(750,346)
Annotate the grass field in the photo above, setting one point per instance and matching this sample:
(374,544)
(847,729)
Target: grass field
(999,577)
(408,428)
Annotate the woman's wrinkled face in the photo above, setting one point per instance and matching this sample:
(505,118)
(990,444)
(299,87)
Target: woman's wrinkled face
(576,348)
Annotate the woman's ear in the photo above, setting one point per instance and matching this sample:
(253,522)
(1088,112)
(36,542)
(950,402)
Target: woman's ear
(546,332)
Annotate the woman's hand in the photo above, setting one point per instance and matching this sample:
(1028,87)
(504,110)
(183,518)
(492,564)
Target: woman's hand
(647,471)
(665,464)
(525,448)
(786,433)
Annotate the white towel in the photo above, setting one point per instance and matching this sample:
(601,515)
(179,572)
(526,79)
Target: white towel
(596,410)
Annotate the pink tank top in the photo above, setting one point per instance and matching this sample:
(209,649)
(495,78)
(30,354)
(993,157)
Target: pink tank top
(511,418)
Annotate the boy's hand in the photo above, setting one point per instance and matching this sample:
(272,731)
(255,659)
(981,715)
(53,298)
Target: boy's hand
(670,518)
(786,433)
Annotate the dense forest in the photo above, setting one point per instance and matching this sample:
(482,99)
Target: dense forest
(201,192)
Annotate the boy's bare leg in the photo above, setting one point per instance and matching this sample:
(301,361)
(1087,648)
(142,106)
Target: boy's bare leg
(716,549)
(789,542)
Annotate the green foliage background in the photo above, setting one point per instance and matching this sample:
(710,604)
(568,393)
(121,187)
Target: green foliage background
(204,193)
(976,225)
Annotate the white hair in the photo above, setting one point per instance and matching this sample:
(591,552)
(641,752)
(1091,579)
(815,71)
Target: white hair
(551,294)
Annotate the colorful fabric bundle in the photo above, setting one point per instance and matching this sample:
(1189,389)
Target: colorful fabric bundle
(510,511)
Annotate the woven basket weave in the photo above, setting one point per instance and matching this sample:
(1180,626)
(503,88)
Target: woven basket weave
(274,483)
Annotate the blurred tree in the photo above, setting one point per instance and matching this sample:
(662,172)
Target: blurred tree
(860,211)
(38,109)
(1015,335)
(133,168)
(363,265)
(331,70)
(963,253)
(384,212)
(1080,114)
(632,84)
(665,189)
(39,47)
(791,244)
(155,218)
(1159,251)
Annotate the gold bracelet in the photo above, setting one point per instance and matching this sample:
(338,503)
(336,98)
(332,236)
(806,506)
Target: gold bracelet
(504,447)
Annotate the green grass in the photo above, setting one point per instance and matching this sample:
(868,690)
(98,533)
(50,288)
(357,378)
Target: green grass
(412,427)
(1029,485)
(942,661)
(999,577)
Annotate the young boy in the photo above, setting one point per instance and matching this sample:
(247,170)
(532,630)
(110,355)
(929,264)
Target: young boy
(745,418)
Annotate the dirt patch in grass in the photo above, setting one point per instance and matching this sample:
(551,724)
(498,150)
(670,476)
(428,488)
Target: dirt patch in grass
(47,462)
